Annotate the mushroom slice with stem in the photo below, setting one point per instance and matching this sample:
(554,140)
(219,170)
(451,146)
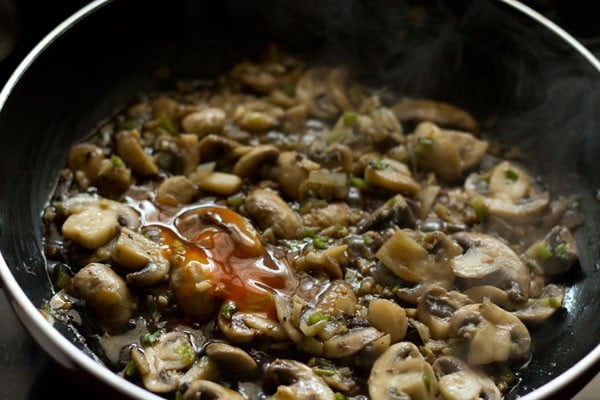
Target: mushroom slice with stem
(493,334)
(393,213)
(271,212)
(292,171)
(203,122)
(141,255)
(351,342)
(457,381)
(295,380)
(160,362)
(244,327)
(391,175)
(436,307)
(203,389)
(402,372)
(447,153)
(488,261)
(555,254)
(129,148)
(542,308)
(249,164)
(388,317)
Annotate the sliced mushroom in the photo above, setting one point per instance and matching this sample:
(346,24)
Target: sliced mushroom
(494,294)
(329,215)
(542,308)
(160,363)
(257,117)
(129,148)
(135,252)
(232,359)
(86,157)
(216,147)
(187,145)
(165,106)
(126,215)
(105,293)
(217,182)
(91,227)
(459,382)
(494,335)
(402,372)
(447,153)
(203,369)
(388,317)
(349,343)
(193,289)
(325,184)
(244,327)
(203,389)
(393,213)
(443,114)
(556,253)
(203,122)
(488,261)
(249,164)
(295,380)
(436,307)
(292,171)
(176,190)
(391,175)
(271,212)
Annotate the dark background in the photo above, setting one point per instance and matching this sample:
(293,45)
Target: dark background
(25,371)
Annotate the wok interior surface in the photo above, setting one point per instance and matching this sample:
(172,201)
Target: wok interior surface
(519,79)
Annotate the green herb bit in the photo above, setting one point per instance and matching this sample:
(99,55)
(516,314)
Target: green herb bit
(368,240)
(187,352)
(324,371)
(228,310)
(150,339)
(309,233)
(511,175)
(343,135)
(235,200)
(534,267)
(427,381)
(130,370)
(128,124)
(289,89)
(480,209)
(550,302)
(378,164)
(117,161)
(359,183)
(543,252)
(350,118)
(424,145)
(339,396)
(317,317)
(62,276)
(178,395)
(167,124)
(320,242)
(178,246)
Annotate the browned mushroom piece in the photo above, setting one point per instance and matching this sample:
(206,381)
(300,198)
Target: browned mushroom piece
(203,389)
(203,122)
(556,253)
(442,114)
(457,381)
(232,360)
(249,164)
(269,211)
(295,380)
(130,149)
(436,307)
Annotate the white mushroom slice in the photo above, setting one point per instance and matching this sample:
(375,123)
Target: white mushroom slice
(126,215)
(86,157)
(459,382)
(244,327)
(249,164)
(509,182)
(217,182)
(176,190)
(203,389)
(130,149)
(193,289)
(496,296)
(143,256)
(539,310)
(91,227)
(388,317)
(232,359)
(292,171)
(556,253)
(402,372)
(435,308)
(447,153)
(494,335)
(443,114)
(349,343)
(391,175)
(215,147)
(270,211)
(106,294)
(295,380)
(488,261)
(203,122)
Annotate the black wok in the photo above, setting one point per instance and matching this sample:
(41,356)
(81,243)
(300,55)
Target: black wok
(526,80)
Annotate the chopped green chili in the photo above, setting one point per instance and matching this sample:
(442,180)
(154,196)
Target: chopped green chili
(235,200)
(480,209)
(378,164)
(167,124)
(350,118)
(187,352)
(359,183)
(324,371)
(542,251)
(317,317)
(117,161)
(150,339)
(228,310)
(320,242)
(339,396)
(424,145)
(511,175)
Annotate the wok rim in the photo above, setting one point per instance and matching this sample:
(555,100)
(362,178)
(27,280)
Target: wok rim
(33,320)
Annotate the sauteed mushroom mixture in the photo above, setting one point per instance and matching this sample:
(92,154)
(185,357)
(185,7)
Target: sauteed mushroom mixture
(284,232)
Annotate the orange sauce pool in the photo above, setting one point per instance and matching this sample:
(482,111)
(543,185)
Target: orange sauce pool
(233,260)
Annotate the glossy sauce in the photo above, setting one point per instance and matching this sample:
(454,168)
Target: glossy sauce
(231,256)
